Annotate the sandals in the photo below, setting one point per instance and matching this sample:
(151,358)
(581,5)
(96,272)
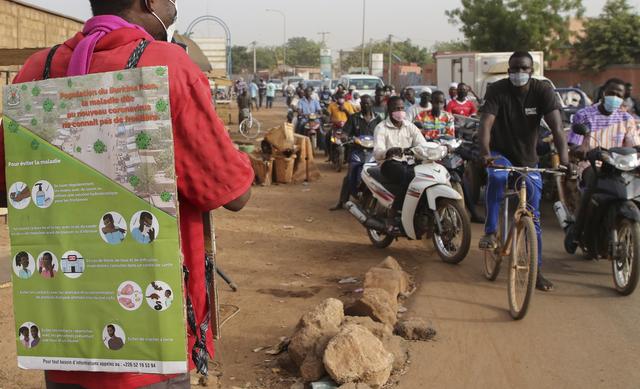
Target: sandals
(543,284)
(488,242)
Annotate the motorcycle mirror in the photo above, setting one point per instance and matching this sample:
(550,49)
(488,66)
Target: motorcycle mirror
(580,129)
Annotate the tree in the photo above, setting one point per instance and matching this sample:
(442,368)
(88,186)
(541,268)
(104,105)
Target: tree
(508,25)
(303,52)
(241,59)
(612,38)
(405,50)
(452,45)
(143,141)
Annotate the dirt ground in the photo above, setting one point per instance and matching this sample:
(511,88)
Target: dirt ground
(286,252)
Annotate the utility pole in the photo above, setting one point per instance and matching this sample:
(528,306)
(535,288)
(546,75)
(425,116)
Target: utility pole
(370,55)
(364,7)
(255,63)
(324,34)
(340,61)
(390,59)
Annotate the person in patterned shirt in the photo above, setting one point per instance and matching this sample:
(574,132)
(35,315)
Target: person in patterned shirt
(437,121)
(610,127)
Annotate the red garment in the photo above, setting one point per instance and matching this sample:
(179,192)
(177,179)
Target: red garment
(466,108)
(210,172)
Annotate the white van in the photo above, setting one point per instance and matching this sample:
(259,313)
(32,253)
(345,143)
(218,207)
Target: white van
(365,84)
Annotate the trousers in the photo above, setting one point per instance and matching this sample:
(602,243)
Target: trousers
(497,181)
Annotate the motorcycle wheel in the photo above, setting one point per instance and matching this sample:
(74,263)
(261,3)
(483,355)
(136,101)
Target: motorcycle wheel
(456,227)
(378,239)
(625,268)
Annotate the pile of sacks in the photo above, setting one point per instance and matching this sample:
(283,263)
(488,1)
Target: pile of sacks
(359,346)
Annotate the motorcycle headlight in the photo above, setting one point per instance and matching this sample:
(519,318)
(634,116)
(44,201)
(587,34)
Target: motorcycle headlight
(431,152)
(625,162)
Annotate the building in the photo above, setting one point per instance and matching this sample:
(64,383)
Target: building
(26,29)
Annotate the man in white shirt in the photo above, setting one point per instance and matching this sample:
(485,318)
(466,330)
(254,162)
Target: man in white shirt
(423,105)
(390,138)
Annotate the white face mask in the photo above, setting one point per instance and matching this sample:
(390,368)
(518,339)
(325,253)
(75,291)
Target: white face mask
(171,29)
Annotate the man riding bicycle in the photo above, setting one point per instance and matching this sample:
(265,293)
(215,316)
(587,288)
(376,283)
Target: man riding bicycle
(508,136)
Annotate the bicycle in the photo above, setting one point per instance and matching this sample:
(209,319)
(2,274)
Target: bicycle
(518,241)
(249,127)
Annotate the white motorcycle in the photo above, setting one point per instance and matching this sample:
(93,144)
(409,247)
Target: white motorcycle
(432,208)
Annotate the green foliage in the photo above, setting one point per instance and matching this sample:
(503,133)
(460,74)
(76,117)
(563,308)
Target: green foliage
(63,105)
(24,88)
(47,105)
(119,76)
(452,45)
(78,149)
(508,25)
(162,105)
(35,145)
(303,52)
(611,38)
(134,181)
(405,50)
(99,147)
(34,122)
(36,91)
(166,196)
(143,141)
(161,71)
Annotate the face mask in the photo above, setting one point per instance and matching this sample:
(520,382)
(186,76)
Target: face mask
(462,95)
(612,103)
(399,116)
(171,30)
(519,79)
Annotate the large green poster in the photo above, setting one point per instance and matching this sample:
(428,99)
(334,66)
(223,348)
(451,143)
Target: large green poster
(97,278)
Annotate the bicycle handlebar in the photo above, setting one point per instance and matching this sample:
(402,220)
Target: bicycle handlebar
(524,169)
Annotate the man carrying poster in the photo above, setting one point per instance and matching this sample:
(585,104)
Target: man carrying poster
(210,172)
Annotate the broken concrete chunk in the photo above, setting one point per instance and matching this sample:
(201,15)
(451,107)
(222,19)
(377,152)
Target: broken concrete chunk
(414,329)
(380,330)
(377,304)
(355,355)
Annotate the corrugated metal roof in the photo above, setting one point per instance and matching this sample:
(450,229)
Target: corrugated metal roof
(25,4)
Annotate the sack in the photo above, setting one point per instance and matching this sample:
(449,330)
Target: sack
(281,137)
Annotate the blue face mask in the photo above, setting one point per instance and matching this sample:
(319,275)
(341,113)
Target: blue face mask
(612,103)
(519,79)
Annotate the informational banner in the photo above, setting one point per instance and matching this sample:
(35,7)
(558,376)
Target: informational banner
(97,280)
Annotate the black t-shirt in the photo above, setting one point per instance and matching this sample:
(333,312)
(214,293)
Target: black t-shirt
(515,131)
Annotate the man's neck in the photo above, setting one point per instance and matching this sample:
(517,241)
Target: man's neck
(367,115)
(604,111)
(461,99)
(396,123)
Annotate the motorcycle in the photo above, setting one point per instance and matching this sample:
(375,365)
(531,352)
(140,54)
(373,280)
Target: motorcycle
(338,147)
(431,208)
(311,129)
(361,153)
(612,229)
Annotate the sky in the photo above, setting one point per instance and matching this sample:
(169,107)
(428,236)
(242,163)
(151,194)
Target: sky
(422,21)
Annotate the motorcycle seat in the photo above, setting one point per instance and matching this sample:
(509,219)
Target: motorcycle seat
(376,174)
(623,150)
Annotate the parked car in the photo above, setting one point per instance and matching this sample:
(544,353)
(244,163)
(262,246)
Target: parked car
(572,100)
(364,84)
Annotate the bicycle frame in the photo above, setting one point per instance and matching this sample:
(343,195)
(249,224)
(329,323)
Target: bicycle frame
(522,210)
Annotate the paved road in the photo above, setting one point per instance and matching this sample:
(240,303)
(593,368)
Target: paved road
(581,335)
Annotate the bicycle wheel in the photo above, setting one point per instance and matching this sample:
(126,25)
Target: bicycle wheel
(523,268)
(250,128)
(493,258)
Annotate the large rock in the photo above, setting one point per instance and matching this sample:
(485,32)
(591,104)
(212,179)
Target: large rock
(312,368)
(395,282)
(377,304)
(354,385)
(380,330)
(414,329)
(389,263)
(314,330)
(356,355)
(398,348)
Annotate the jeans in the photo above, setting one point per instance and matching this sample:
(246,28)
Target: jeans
(269,102)
(496,183)
(351,181)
